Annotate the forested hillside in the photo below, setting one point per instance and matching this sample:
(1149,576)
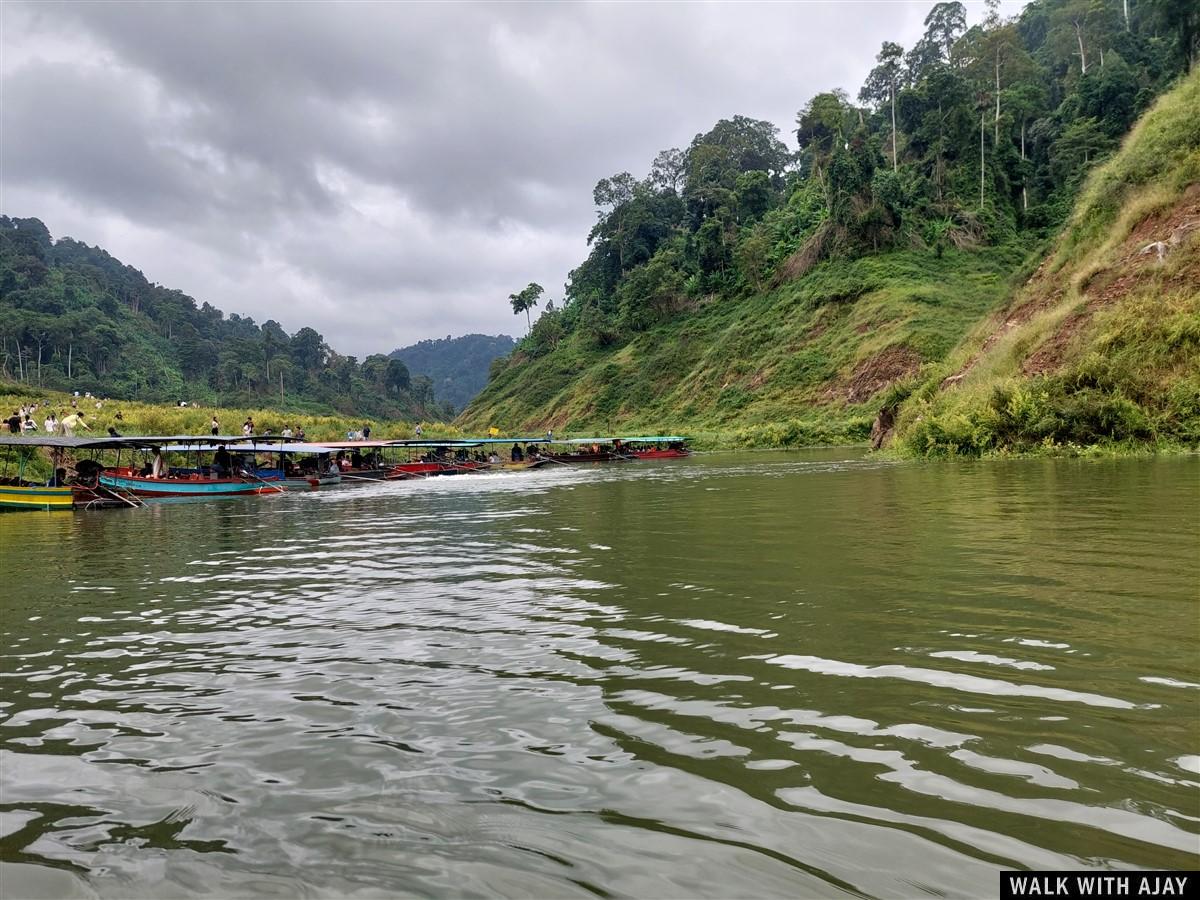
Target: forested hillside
(743,285)
(1102,345)
(457,366)
(74,318)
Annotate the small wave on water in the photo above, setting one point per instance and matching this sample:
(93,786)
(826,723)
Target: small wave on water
(828,676)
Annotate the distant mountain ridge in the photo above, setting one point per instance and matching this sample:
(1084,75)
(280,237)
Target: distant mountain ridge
(457,366)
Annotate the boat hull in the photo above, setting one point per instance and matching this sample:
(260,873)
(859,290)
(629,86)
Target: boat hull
(309,483)
(184,487)
(661,454)
(428,469)
(602,456)
(28,496)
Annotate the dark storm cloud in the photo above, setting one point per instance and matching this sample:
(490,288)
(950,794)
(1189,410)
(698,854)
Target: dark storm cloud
(411,162)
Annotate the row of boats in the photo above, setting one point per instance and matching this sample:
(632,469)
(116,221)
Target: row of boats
(129,471)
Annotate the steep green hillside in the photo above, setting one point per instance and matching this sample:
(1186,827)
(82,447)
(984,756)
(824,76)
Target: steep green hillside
(457,366)
(1102,345)
(783,297)
(802,363)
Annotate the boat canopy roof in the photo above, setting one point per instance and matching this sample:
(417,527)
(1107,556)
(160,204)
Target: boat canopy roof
(251,446)
(653,439)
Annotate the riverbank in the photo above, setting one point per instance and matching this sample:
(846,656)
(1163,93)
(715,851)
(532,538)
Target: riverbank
(789,434)
(131,417)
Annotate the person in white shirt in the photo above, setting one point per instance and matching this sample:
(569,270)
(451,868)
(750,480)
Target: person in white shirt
(159,468)
(51,424)
(287,431)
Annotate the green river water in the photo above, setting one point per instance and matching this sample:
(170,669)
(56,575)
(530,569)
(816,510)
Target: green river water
(756,675)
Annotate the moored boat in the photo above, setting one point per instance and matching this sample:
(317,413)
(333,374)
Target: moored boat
(63,490)
(193,485)
(659,447)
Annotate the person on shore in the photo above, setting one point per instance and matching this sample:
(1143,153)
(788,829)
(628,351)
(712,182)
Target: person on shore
(14,423)
(366,432)
(50,424)
(112,432)
(287,431)
(418,430)
(29,424)
(300,433)
(73,421)
(248,428)
(215,426)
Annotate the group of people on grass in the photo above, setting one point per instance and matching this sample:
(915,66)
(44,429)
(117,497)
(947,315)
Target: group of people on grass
(23,421)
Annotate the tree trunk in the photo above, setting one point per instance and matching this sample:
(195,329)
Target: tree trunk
(894,164)
(996,136)
(20,362)
(1126,6)
(1082,54)
(1024,178)
(528,322)
(70,351)
(981,117)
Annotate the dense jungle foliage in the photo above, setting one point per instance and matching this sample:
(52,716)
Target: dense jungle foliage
(74,318)
(742,284)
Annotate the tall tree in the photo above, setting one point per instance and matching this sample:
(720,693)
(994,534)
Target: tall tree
(882,83)
(525,300)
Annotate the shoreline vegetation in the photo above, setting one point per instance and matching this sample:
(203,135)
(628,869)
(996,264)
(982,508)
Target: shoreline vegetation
(138,418)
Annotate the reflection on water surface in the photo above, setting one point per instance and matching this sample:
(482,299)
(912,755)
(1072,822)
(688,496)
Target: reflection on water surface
(761,674)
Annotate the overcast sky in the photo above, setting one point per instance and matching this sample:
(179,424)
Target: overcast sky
(385,172)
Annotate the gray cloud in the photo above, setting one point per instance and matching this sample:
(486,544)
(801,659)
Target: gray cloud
(383,171)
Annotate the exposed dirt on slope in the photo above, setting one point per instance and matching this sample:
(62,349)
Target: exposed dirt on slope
(874,374)
(1154,238)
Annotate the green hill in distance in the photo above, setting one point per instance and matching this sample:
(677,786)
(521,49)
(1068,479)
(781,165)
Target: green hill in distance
(457,366)
(72,317)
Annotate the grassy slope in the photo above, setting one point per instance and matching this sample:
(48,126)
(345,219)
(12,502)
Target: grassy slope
(1101,347)
(802,363)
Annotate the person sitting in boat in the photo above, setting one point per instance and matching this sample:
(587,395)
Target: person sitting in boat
(58,479)
(493,457)
(356,459)
(158,468)
(222,462)
(516,454)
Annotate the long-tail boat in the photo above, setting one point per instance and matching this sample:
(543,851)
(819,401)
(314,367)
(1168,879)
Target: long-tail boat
(660,447)
(221,478)
(589,450)
(62,491)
